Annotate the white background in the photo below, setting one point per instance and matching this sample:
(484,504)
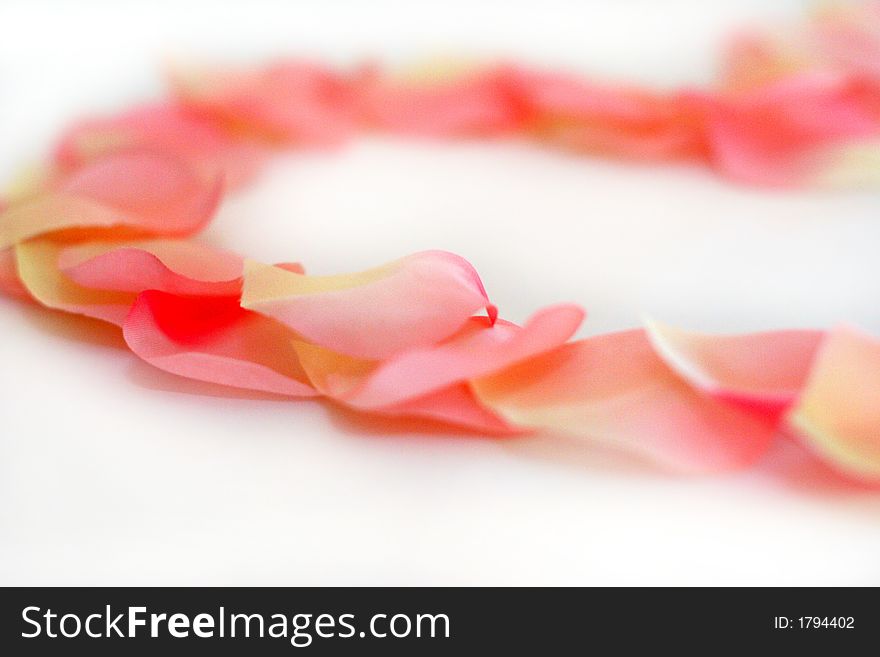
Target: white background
(112,472)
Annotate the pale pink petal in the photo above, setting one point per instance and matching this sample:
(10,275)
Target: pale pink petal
(476,350)
(760,371)
(143,191)
(166,128)
(613,388)
(611,120)
(848,35)
(162,191)
(838,414)
(789,132)
(412,302)
(290,101)
(214,339)
(336,375)
(472,103)
(175,266)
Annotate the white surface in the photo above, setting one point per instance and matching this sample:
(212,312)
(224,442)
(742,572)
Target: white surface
(112,472)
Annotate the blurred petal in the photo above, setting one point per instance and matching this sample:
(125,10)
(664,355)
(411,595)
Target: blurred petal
(617,121)
(838,414)
(169,129)
(848,35)
(789,132)
(215,340)
(175,266)
(613,388)
(412,302)
(145,191)
(760,371)
(474,102)
(291,101)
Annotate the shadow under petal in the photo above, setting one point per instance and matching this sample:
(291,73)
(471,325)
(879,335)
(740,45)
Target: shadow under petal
(71,326)
(377,424)
(147,376)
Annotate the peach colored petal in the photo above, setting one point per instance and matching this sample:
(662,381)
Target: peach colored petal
(169,129)
(176,266)
(613,388)
(336,375)
(412,302)
(848,35)
(214,339)
(455,404)
(473,103)
(788,132)
(145,191)
(612,120)
(478,349)
(838,414)
(165,193)
(37,262)
(755,59)
(760,371)
(289,101)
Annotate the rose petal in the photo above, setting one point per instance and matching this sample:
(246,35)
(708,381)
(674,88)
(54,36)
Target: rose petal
(848,35)
(214,340)
(760,371)
(838,413)
(145,191)
(618,121)
(613,388)
(292,101)
(471,103)
(478,349)
(37,262)
(788,132)
(455,404)
(169,129)
(412,302)
(176,266)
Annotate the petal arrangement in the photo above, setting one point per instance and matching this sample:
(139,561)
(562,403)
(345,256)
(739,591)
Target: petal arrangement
(108,233)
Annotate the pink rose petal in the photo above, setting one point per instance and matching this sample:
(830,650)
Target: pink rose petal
(144,191)
(788,132)
(473,103)
(612,120)
(838,414)
(412,302)
(478,349)
(291,101)
(613,388)
(166,128)
(175,266)
(215,340)
(455,404)
(760,371)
